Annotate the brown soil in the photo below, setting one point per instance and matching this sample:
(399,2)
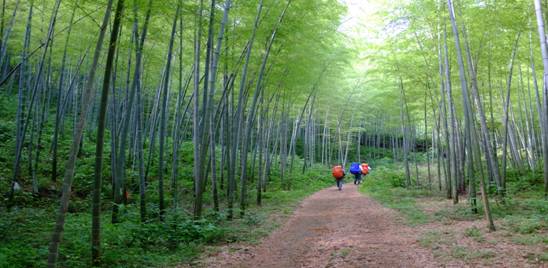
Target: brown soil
(333,228)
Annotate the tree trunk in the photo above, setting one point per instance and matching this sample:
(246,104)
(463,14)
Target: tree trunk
(76,142)
(30,105)
(163,113)
(544,123)
(507,104)
(96,202)
(60,100)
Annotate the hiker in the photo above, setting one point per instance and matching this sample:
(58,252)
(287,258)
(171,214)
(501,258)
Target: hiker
(338,174)
(357,172)
(365,168)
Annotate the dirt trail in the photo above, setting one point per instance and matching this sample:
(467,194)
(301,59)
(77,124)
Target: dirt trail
(334,228)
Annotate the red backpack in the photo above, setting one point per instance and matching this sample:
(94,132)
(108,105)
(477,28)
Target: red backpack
(338,172)
(365,168)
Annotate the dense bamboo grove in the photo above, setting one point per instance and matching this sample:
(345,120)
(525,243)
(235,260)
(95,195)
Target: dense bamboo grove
(463,75)
(203,71)
(253,88)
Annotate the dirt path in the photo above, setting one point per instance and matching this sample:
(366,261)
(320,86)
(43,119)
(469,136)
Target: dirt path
(334,229)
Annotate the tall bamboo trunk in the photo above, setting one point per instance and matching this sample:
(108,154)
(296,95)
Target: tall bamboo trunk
(163,113)
(544,123)
(60,100)
(76,142)
(33,93)
(96,200)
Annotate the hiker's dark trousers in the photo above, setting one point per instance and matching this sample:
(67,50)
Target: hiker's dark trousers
(357,178)
(339,183)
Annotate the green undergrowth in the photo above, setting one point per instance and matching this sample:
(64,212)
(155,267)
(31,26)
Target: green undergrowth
(26,231)
(523,210)
(385,184)
(521,214)
(521,218)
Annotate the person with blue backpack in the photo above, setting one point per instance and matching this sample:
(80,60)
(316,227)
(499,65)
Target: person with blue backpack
(357,172)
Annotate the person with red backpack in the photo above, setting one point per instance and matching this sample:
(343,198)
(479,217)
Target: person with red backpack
(365,168)
(338,174)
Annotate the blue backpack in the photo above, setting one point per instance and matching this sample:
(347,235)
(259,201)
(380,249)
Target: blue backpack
(355,168)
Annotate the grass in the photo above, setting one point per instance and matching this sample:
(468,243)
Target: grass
(466,254)
(443,245)
(385,185)
(458,212)
(474,233)
(342,253)
(533,239)
(431,239)
(542,257)
(521,220)
(26,233)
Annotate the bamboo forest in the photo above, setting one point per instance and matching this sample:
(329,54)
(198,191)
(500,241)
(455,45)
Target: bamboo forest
(273,133)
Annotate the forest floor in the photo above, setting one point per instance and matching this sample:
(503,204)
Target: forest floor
(456,238)
(332,228)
